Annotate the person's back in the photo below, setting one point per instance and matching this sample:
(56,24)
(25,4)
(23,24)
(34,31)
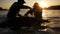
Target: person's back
(37,10)
(13,10)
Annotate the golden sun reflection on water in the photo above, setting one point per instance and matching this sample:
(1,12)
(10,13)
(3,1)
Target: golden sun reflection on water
(43,13)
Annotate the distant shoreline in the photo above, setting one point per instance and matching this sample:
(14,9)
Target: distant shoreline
(57,7)
(1,9)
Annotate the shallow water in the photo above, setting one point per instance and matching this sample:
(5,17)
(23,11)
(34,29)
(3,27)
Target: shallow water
(53,25)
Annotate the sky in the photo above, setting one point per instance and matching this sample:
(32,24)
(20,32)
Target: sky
(7,3)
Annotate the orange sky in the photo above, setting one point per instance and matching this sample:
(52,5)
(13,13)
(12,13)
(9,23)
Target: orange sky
(7,3)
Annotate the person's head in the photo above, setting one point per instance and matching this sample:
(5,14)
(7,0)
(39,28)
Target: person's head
(35,5)
(21,1)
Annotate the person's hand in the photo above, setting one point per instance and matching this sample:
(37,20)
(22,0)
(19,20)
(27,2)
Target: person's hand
(19,15)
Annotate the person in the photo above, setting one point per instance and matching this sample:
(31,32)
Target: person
(15,8)
(37,12)
(14,11)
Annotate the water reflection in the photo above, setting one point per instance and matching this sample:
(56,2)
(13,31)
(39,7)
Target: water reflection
(53,27)
(51,13)
(54,18)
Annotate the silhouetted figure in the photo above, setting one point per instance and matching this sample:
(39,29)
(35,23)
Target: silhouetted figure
(37,12)
(13,11)
(15,8)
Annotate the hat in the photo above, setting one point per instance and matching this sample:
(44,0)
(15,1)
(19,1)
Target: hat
(22,1)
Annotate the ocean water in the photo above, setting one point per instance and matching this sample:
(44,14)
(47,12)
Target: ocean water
(52,15)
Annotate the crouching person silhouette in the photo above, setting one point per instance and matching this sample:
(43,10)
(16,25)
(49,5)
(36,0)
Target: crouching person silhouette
(13,11)
(15,8)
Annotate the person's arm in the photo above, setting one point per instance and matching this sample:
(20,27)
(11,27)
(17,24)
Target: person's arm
(29,12)
(26,7)
(19,15)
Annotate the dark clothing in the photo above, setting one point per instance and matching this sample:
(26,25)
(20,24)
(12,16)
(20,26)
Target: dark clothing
(14,9)
(37,14)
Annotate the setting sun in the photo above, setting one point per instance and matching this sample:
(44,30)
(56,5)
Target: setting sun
(43,4)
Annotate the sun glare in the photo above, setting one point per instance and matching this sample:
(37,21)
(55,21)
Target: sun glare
(43,4)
